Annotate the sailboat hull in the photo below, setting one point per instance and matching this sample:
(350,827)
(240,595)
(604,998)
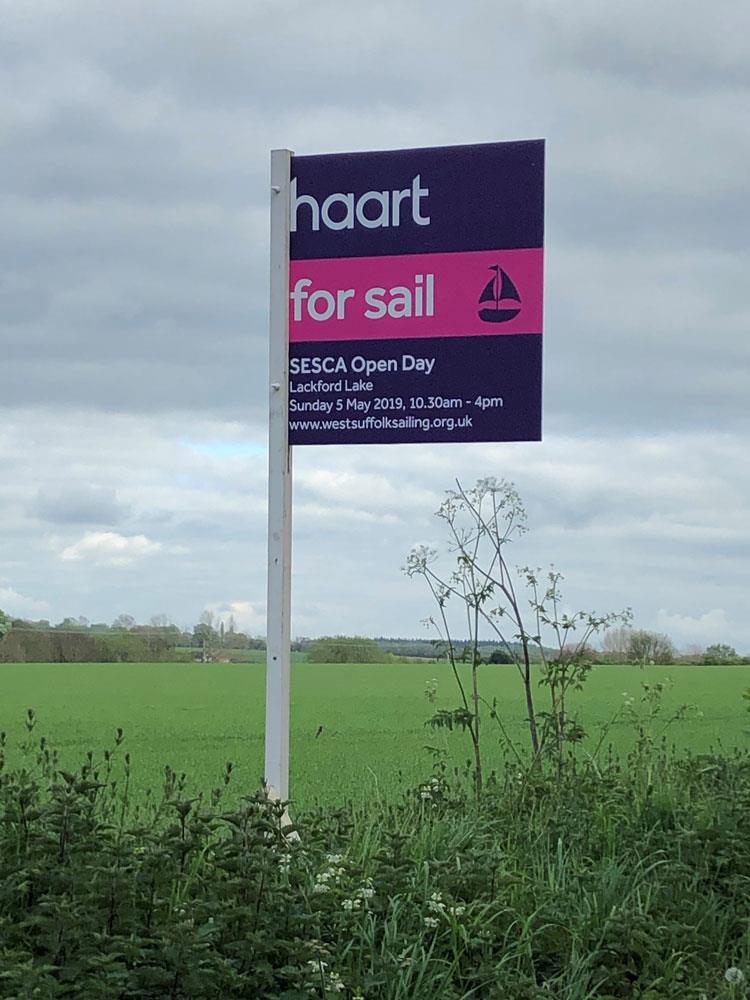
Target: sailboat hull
(498,315)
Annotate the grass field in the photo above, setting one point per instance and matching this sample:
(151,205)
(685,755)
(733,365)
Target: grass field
(196,717)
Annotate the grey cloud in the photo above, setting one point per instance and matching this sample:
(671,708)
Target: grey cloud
(80,504)
(664,46)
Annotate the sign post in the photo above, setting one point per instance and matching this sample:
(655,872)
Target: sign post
(278,604)
(406,307)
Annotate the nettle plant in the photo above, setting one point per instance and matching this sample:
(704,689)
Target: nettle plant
(549,647)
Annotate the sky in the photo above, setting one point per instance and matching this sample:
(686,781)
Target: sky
(134,167)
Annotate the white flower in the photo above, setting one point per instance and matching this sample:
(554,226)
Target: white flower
(431,922)
(351,904)
(734,975)
(435,902)
(456,911)
(334,859)
(324,877)
(335,982)
(321,887)
(317,963)
(366,892)
(425,794)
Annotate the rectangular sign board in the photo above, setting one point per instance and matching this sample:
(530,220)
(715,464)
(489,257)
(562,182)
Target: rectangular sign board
(415,295)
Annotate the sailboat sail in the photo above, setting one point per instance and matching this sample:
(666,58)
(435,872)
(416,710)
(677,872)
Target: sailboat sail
(508,290)
(498,289)
(488,295)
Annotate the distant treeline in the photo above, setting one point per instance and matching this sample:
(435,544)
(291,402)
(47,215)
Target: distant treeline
(214,639)
(436,649)
(52,646)
(77,640)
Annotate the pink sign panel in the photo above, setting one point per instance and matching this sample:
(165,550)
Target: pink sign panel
(469,294)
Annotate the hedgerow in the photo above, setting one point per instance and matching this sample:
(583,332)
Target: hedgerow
(629,879)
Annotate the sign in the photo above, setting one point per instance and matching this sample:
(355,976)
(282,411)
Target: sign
(405,306)
(415,295)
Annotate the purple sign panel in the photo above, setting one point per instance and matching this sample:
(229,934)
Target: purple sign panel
(415,298)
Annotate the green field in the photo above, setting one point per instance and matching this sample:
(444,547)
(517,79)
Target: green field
(196,717)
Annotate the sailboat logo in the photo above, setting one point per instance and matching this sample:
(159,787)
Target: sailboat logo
(499,289)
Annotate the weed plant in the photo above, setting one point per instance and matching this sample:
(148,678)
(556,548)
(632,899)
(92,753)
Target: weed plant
(628,879)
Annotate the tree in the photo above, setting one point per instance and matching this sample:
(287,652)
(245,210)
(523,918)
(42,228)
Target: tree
(500,656)
(204,633)
(615,641)
(124,623)
(649,647)
(68,625)
(720,653)
(4,624)
(481,589)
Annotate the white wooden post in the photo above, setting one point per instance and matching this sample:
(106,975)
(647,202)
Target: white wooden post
(278,605)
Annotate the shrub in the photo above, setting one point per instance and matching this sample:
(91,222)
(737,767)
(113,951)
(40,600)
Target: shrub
(617,882)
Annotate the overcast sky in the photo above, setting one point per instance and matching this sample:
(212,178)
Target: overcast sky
(133,302)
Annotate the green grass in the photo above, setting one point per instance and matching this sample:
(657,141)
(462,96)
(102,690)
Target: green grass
(196,717)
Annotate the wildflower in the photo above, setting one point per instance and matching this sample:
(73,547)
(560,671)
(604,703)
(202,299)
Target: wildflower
(317,963)
(435,902)
(456,911)
(335,983)
(425,794)
(734,976)
(366,892)
(351,904)
(431,922)
(334,859)
(321,887)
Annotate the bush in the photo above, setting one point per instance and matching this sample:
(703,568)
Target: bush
(617,882)
(500,656)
